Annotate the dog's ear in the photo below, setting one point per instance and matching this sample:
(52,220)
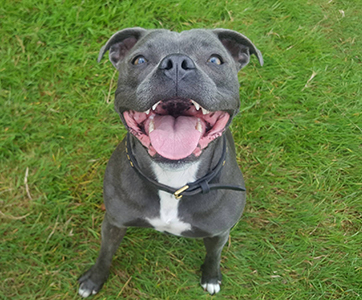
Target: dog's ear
(121,43)
(239,46)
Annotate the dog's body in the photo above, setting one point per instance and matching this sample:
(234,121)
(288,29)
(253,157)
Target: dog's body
(177,94)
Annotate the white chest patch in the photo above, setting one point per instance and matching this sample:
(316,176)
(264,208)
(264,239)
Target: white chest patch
(168,219)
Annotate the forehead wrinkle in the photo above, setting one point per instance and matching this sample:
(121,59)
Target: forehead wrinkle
(164,42)
(197,39)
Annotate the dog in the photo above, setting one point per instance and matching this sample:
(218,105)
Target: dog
(176,170)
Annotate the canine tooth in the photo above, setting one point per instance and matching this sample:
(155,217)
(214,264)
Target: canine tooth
(199,126)
(204,111)
(155,106)
(197,106)
(147,111)
(151,127)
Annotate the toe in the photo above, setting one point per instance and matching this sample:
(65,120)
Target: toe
(211,288)
(84,292)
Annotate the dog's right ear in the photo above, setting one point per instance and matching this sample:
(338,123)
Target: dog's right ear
(120,43)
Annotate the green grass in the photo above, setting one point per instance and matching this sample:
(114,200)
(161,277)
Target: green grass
(298,139)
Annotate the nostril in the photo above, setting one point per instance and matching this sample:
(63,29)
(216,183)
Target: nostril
(177,63)
(187,64)
(166,64)
(184,64)
(169,65)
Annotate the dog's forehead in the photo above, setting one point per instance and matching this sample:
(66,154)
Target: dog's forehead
(176,42)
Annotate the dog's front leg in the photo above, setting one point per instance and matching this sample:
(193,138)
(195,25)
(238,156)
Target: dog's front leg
(92,280)
(211,275)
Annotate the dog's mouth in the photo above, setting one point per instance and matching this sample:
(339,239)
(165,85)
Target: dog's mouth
(176,128)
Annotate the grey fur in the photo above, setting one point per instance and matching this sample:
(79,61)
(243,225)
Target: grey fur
(128,198)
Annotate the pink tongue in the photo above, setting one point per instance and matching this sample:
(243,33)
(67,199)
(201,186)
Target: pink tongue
(175,138)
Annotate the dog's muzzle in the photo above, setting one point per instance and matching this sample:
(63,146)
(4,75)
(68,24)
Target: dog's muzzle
(176,128)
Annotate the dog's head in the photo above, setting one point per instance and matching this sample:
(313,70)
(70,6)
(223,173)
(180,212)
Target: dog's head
(177,92)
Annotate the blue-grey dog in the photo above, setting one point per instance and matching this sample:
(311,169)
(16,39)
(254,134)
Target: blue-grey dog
(176,170)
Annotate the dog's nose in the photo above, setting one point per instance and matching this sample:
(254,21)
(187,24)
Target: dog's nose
(176,66)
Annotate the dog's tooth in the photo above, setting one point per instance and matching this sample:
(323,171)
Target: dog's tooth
(155,106)
(147,112)
(197,106)
(151,127)
(199,126)
(204,111)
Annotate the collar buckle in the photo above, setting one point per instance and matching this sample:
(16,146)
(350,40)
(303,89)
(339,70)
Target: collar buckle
(177,194)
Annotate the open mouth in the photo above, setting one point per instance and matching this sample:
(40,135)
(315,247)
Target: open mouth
(176,128)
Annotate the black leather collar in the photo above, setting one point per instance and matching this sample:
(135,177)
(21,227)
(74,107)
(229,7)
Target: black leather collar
(201,185)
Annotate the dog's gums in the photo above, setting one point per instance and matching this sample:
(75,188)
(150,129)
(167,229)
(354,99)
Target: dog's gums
(176,128)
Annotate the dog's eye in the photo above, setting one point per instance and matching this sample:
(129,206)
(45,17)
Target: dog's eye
(139,60)
(215,59)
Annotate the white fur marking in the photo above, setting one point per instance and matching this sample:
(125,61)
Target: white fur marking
(84,292)
(211,287)
(169,220)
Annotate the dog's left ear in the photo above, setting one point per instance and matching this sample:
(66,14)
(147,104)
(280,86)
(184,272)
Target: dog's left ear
(121,43)
(239,46)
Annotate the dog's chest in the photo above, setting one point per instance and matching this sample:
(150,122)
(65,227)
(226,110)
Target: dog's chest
(169,219)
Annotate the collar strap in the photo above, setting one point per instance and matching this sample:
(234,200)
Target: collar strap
(199,186)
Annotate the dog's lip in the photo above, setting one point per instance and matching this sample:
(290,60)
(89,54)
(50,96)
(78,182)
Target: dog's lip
(181,114)
(193,102)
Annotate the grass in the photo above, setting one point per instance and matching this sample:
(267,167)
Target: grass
(298,139)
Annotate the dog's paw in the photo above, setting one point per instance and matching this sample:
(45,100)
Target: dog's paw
(90,283)
(85,290)
(211,287)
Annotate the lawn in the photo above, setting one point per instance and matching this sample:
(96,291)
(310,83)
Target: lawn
(298,140)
